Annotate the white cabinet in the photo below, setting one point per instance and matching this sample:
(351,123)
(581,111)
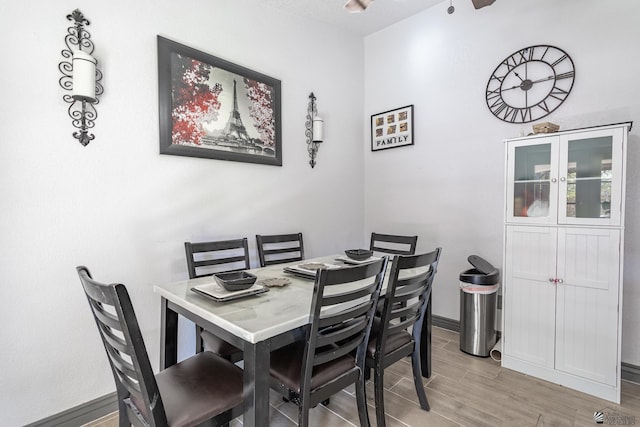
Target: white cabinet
(564,222)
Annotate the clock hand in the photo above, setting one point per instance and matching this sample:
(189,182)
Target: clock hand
(543,79)
(528,83)
(513,87)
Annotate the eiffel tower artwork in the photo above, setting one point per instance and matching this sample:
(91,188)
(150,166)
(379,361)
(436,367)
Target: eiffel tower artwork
(234,135)
(234,128)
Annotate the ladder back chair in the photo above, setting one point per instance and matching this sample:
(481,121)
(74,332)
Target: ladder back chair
(405,305)
(308,372)
(393,244)
(205,259)
(204,389)
(280,248)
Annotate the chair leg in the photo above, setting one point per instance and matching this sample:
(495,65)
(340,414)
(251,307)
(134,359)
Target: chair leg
(123,419)
(378,387)
(303,413)
(123,415)
(417,379)
(199,342)
(361,399)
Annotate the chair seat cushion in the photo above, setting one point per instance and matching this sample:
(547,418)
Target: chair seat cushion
(217,345)
(198,388)
(393,341)
(286,367)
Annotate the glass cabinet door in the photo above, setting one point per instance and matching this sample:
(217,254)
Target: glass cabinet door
(590,178)
(533,190)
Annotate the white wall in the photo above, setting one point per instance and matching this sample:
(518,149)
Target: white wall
(448,188)
(122,209)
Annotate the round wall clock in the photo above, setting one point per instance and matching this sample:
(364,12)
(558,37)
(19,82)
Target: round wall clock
(530,84)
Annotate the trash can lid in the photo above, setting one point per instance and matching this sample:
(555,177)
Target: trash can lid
(481,264)
(483,274)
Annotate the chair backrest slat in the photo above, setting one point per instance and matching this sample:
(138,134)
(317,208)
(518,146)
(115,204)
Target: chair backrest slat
(343,316)
(207,258)
(219,261)
(333,336)
(121,364)
(118,327)
(336,352)
(107,319)
(113,339)
(342,297)
(272,247)
(393,244)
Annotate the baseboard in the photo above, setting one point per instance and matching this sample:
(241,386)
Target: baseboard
(445,323)
(628,371)
(81,414)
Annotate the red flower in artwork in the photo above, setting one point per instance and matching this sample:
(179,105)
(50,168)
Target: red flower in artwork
(261,110)
(195,99)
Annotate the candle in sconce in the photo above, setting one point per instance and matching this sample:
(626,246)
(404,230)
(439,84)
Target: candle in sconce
(318,129)
(84,76)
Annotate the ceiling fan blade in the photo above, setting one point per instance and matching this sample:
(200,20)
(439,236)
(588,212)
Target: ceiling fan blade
(355,6)
(482,3)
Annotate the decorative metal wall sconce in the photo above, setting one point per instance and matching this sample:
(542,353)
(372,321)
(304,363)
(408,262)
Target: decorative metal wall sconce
(314,130)
(80,76)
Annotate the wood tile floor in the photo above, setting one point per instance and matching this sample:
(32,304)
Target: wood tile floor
(463,391)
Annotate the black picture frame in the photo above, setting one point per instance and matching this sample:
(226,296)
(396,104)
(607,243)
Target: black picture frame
(392,129)
(203,114)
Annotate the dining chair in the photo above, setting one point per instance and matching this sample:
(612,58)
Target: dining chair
(279,248)
(393,244)
(309,371)
(405,305)
(205,259)
(204,388)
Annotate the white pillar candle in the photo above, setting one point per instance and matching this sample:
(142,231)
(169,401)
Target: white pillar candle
(84,76)
(318,125)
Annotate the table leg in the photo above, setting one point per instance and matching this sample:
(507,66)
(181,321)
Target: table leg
(256,384)
(425,341)
(168,335)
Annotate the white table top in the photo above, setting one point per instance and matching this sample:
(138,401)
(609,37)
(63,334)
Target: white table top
(255,318)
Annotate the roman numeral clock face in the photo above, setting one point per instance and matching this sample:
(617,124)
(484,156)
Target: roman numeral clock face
(530,84)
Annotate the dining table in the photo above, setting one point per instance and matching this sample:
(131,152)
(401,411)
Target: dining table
(256,324)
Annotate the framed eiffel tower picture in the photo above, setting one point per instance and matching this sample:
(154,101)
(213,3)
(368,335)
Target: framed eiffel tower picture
(212,108)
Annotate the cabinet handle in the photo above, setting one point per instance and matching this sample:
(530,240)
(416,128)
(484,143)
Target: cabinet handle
(563,179)
(552,280)
(559,281)
(553,180)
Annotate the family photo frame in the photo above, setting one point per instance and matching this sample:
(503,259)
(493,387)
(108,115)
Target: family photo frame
(212,108)
(392,129)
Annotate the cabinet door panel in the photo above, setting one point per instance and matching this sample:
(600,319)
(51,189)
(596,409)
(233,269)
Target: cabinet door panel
(532,174)
(529,297)
(590,177)
(587,303)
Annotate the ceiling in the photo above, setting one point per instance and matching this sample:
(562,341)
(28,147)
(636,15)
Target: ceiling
(380,13)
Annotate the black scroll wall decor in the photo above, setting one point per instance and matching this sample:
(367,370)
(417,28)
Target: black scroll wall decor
(81,77)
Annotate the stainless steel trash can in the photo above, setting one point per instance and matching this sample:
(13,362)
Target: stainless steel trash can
(478,304)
